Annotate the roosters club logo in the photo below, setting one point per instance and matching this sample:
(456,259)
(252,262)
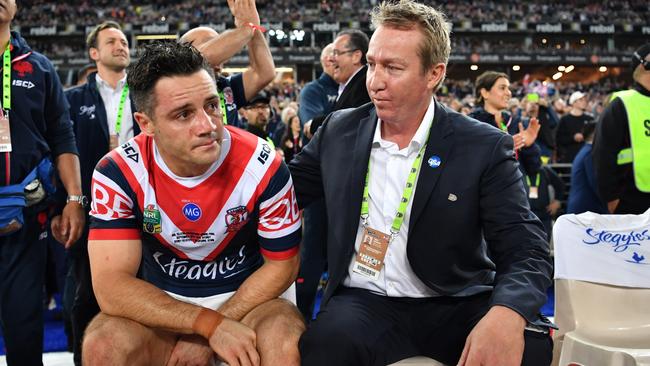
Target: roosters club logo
(23,68)
(236,218)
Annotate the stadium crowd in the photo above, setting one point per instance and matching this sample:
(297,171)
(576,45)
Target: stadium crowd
(43,12)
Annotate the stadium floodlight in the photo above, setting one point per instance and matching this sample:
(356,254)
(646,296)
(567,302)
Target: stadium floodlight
(569,69)
(516,67)
(602,69)
(582,41)
(560,68)
(473,67)
(544,40)
(557,75)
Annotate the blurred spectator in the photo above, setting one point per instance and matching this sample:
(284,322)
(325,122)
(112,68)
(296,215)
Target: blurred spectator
(583,195)
(569,131)
(292,140)
(545,190)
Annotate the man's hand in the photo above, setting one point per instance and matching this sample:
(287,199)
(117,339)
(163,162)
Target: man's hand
(306,129)
(611,205)
(553,207)
(68,227)
(235,343)
(497,340)
(578,137)
(191,350)
(244,12)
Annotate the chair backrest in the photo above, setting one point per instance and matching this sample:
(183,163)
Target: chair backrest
(618,316)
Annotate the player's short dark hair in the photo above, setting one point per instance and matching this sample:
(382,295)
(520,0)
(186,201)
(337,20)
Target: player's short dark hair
(158,60)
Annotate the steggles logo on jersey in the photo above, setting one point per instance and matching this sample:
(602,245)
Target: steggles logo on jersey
(192,211)
(236,218)
(151,221)
(187,270)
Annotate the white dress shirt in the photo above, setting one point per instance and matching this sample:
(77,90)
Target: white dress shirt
(111,98)
(389,170)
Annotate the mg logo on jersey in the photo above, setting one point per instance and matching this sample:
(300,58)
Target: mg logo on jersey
(192,211)
(236,218)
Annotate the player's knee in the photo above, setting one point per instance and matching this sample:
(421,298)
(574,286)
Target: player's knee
(104,343)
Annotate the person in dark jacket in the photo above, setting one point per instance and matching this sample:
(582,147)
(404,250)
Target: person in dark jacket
(545,192)
(492,96)
(102,114)
(35,128)
(569,132)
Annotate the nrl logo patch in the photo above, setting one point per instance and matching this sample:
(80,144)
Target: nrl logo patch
(151,222)
(236,218)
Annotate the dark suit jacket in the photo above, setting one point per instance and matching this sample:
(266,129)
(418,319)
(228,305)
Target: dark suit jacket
(473,204)
(354,95)
(90,127)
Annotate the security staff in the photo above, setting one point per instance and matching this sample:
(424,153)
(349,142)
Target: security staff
(622,147)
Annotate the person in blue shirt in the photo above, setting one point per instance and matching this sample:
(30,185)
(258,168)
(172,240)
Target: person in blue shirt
(583,195)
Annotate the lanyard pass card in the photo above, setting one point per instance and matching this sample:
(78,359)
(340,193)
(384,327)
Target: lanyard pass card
(372,251)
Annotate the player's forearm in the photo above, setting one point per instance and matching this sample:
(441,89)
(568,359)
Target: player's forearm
(267,283)
(123,295)
(262,69)
(221,48)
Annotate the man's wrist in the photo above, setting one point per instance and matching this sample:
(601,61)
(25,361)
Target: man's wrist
(79,199)
(207,322)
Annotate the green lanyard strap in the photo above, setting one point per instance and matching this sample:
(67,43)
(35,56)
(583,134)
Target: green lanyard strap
(6,79)
(536,180)
(222,101)
(406,195)
(120,110)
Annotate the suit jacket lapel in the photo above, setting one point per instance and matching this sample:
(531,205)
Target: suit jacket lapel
(439,145)
(342,102)
(360,158)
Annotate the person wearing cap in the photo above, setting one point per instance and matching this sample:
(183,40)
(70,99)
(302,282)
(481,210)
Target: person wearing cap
(569,135)
(621,149)
(257,113)
(236,90)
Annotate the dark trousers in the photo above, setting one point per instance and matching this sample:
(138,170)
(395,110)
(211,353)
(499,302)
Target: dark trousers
(84,305)
(313,257)
(22,275)
(360,328)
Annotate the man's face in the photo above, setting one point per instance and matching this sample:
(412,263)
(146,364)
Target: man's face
(7,11)
(345,60)
(581,103)
(187,124)
(257,114)
(112,49)
(327,60)
(398,86)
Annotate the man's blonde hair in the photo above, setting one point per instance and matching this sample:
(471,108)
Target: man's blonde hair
(407,14)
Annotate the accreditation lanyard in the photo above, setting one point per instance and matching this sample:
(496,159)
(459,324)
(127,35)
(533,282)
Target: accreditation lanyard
(120,109)
(224,112)
(536,180)
(503,126)
(406,195)
(6,79)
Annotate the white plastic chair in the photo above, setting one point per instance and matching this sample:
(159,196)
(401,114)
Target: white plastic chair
(600,324)
(418,361)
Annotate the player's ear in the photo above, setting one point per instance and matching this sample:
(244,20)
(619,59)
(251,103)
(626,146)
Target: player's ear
(145,123)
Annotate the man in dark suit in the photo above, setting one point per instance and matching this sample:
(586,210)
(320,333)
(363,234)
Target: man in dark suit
(456,270)
(349,56)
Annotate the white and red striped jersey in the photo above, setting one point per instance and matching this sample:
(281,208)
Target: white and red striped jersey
(202,235)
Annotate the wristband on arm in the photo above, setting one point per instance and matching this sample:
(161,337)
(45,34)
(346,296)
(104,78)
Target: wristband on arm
(256,27)
(207,322)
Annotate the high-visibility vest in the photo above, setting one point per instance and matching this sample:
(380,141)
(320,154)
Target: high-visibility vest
(637,107)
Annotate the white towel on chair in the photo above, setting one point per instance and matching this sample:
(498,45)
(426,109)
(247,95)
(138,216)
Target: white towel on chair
(610,249)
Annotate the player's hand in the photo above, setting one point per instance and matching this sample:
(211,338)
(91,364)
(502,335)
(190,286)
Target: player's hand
(192,350)
(235,343)
(244,12)
(68,227)
(578,137)
(497,340)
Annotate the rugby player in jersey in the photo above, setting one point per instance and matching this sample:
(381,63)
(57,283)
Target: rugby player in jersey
(194,231)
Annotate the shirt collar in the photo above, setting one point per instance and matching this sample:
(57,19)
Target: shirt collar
(103,84)
(342,86)
(421,135)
